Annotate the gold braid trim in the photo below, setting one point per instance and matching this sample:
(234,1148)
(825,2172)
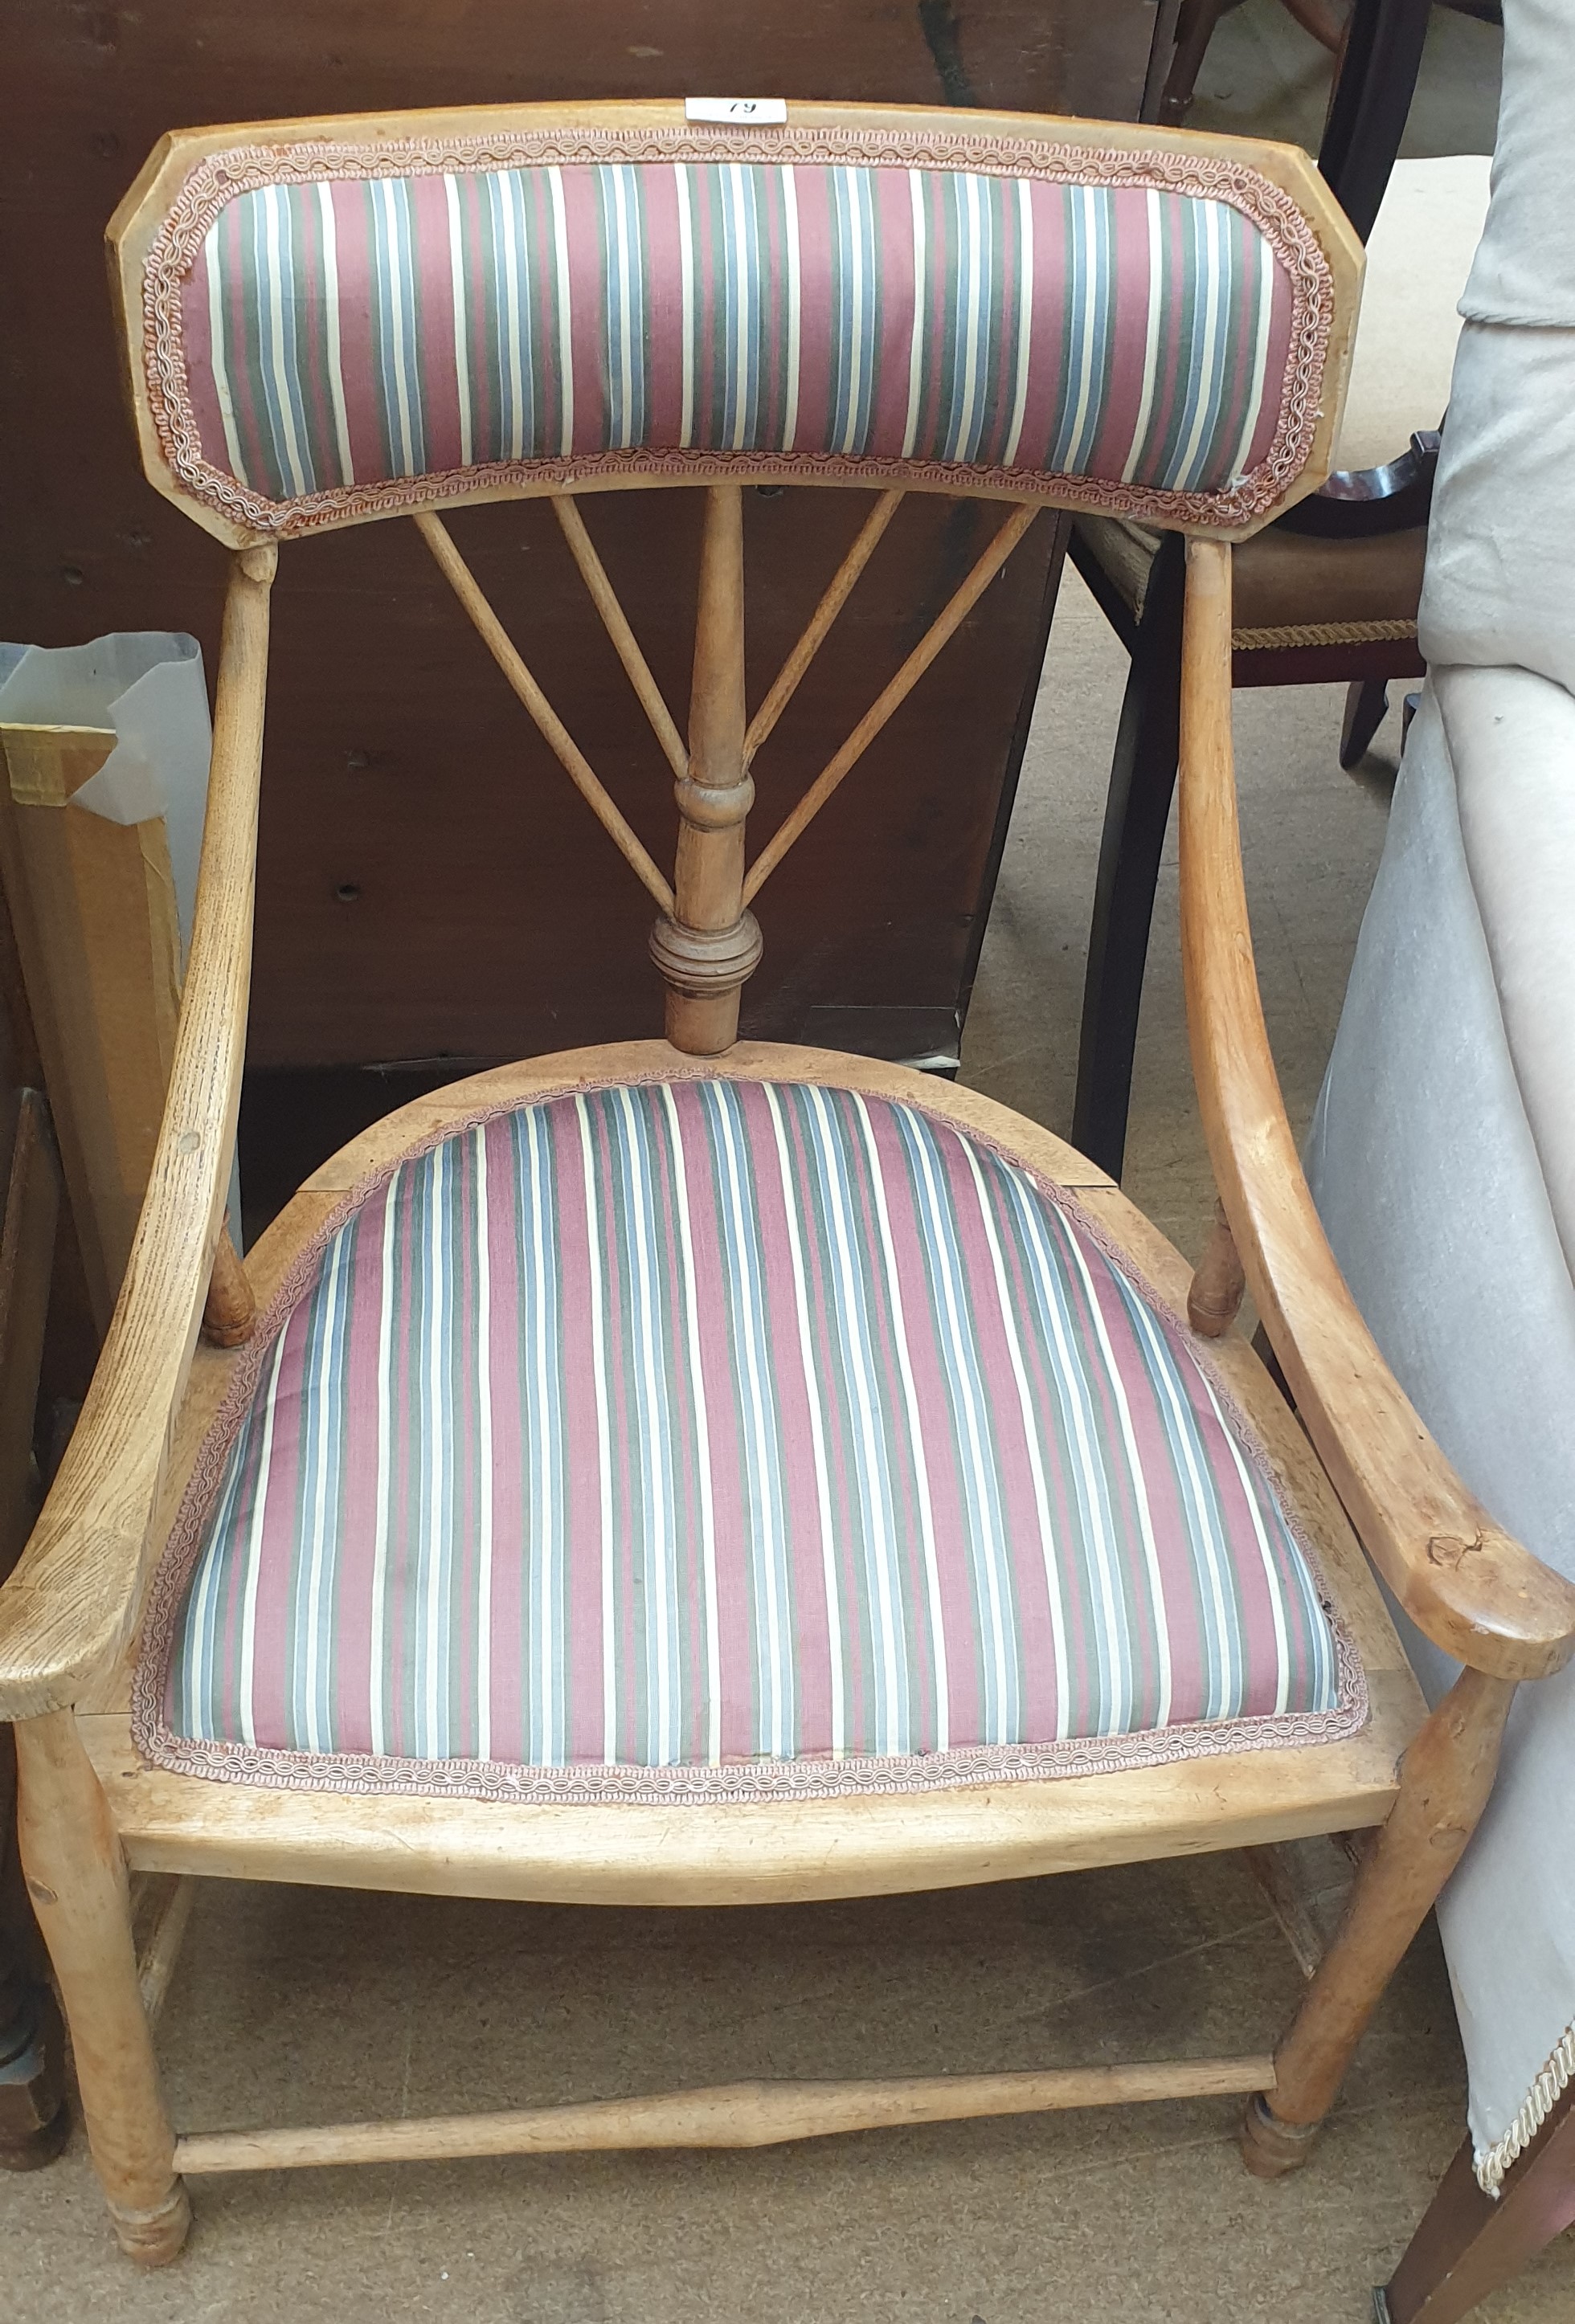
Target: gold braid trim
(1321,633)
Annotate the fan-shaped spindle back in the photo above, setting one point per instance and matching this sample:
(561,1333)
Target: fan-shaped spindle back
(332,321)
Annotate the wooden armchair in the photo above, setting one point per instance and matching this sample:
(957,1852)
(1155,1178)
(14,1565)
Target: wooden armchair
(697,1471)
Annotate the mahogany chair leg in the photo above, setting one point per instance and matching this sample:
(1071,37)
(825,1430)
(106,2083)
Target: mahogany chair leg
(1444,1781)
(1366,706)
(1373,88)
(1314,17)
(1194,30)
(1143,781)
(77,1879)
(1468,2244)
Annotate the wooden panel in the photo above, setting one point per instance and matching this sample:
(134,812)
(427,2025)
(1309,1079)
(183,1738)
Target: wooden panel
(429,885)
(33,2110)
(27,1258)
(92,905)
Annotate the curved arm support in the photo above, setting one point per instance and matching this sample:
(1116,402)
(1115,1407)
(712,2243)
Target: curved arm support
(74,1596)
(1361,504)
(1467,1583)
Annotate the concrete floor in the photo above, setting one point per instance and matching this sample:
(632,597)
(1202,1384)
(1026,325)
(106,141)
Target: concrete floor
(301,2004)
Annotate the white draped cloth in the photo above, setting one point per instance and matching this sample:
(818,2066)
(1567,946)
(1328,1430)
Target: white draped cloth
(1442,1155)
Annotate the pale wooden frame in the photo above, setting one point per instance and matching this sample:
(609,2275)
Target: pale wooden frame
(89,1808)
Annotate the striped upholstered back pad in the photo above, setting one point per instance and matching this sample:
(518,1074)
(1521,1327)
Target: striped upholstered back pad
(336,330)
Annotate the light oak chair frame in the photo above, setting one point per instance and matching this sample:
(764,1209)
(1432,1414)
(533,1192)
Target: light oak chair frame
(93,1814)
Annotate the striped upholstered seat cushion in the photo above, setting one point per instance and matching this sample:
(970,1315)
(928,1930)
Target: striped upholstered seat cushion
(328,325)
(725,1436)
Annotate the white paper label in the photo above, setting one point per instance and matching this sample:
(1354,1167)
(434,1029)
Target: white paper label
(750,111)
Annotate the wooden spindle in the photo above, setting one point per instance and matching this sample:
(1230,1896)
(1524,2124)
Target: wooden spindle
(548,724)
(836,595)
(615,623)
(230,1312)
(946,625)
(77,1880)
(734,2114)
(708,944)
(1219,1284)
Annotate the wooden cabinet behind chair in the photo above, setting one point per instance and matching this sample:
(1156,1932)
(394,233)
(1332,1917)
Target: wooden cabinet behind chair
(431,892)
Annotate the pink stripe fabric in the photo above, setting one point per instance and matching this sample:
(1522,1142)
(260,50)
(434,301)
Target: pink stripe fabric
(1143,338)
(760,1432)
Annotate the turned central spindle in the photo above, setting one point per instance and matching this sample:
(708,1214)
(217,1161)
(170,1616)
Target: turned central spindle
(708,944)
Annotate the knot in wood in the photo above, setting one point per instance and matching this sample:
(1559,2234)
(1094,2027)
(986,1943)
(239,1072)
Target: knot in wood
(1452,1836)
(1451,1552)
(706,961)
(714,807)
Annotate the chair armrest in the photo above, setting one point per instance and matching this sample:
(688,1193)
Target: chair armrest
(1359,503)
(74,1596)
(1470,1586)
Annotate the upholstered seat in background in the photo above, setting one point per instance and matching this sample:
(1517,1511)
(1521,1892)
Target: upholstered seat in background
(1295,589)
(1328,592)
(770,1435)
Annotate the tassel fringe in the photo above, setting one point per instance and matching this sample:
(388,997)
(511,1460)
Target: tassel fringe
(1492,2163)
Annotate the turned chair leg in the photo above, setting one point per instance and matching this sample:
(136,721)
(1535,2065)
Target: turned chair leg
(1445,1779)
(1367,707)
(77,1878)
(1194,30)
(1143,781)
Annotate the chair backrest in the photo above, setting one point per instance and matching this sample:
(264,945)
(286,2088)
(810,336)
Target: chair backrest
(332,320)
